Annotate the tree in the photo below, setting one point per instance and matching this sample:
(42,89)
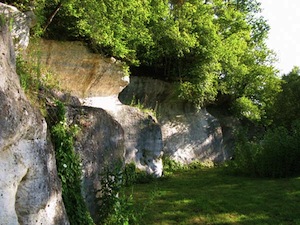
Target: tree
(287,106)
(213,49)
(115,27)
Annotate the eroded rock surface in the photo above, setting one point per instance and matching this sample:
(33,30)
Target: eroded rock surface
(30,191)
(142,134)
(98,82)
(81,72)
(188,134)
(100,144)
(20,25)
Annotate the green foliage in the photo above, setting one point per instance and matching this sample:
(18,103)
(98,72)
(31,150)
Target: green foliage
(246,108)
(30,75)
(171,166)
(246,154)
(35,80)
(132,175)
(276,155)
(287,106)
(115,206)
(2,21)
(69,169)
(212,50)
(22,5)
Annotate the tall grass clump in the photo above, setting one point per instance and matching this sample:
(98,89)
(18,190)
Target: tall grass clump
(115,206)
(116,203)
(35,80)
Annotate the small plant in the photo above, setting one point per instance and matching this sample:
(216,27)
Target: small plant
(35,80)
(2,20)
(130,174)
(115,206)
(137,103)
(170,166)
(29,76)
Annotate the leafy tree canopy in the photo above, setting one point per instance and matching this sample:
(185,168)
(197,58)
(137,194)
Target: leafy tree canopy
(286,109)
(214,49)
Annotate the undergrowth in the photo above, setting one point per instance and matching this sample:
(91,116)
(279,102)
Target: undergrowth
(69,169)
(276,154)
(35,80)
(117,204)
(170,165)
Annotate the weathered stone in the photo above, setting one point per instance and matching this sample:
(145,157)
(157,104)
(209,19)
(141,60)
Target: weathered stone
(98,81)
(188,134)
(100,144)
(142,133)
(82,73)
(20,24)
(30,191)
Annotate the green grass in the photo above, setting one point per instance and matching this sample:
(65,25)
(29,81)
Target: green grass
(209,196)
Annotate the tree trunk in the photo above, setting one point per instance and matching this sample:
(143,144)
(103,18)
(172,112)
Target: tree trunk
(53,14)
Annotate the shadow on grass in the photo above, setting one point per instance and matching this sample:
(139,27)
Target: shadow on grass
(210,196)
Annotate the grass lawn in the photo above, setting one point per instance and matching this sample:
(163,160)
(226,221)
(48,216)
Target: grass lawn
(209,196)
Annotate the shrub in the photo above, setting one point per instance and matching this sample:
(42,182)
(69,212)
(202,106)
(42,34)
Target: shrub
(132,175)
(115,207)
(277,154)
(170,166)
(281,153)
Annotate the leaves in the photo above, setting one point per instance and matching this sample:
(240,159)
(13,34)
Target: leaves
(210,48)
(69,169)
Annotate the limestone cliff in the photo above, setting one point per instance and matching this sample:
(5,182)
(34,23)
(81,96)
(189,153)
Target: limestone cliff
(30,191)
(188,134)
(98,81)
(180,132)
(79,71)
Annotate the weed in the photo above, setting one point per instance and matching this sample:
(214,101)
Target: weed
(115,207)
(137,103)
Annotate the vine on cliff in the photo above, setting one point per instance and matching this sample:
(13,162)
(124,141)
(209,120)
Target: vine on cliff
(69,169)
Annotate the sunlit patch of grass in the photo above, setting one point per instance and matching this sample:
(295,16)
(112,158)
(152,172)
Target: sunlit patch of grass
(209,196)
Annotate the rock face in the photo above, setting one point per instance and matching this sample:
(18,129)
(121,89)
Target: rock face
(81,72)
(30,191)
(100,144)
(21,24)
(98,82)
(142,133)
(188,134)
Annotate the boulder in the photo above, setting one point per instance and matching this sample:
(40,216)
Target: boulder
(100,145)
(30,191)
